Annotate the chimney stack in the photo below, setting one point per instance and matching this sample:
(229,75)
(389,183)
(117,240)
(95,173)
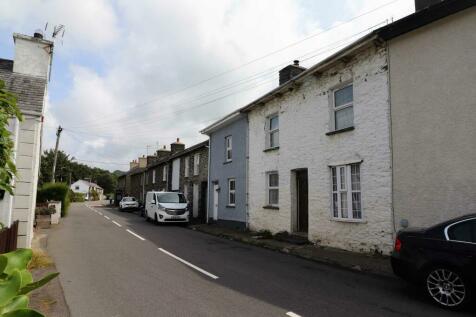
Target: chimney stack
(177,146)
(143,161)
(423,4)
(289,72)
(162,153)
(133,164)
(32,55)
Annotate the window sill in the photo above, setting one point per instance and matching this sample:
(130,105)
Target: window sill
(340,131)
(348,220)
(271,207)
(271,149)
(230,206)
(227,162)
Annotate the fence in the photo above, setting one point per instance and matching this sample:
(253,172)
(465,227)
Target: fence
(8,238)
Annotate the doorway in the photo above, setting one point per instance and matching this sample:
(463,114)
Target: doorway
(301,204)
(216,190)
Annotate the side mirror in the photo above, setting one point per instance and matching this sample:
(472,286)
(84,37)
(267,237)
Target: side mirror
(152,202)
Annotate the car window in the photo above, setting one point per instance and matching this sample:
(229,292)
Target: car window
(171,198)
(463,231)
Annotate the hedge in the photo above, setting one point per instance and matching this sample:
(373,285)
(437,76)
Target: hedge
(55,191)
(76,197)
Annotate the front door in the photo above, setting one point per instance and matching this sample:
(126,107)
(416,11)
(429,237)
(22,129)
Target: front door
(215,202)
(302,200)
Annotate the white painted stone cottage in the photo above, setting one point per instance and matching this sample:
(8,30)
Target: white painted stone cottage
(26,76)
(319,152)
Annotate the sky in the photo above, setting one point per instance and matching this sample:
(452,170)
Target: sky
(130,76)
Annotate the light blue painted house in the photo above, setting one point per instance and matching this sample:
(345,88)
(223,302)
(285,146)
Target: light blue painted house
(227,190)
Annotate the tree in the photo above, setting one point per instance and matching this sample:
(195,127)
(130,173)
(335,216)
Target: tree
(66,166)
(8,110)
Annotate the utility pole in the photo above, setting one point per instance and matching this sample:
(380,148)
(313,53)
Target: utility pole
(58,134)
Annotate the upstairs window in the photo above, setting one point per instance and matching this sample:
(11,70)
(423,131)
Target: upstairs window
(228,148)
(231,192)
(344,108)
(164,173)
(272,132)
(346,196)
(196,163)
(272,184)
(153,176)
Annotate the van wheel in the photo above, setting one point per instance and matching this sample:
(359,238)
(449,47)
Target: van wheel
(146,215)
(447,287)
(156,220)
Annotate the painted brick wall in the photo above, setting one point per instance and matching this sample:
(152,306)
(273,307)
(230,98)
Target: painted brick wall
(304,120)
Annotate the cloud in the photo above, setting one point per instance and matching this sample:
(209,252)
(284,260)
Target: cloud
(129,90)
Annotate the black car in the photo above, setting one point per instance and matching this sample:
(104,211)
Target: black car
(442,259)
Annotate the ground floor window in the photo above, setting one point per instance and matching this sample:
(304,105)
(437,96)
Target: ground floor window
(346,196)
(272,188)
(231,191)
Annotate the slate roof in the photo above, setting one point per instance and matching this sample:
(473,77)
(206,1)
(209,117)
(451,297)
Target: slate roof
(30,90)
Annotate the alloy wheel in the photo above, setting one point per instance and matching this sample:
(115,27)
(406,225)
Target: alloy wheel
(446,287)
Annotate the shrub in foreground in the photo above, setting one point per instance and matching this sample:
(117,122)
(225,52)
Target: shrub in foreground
(55,191)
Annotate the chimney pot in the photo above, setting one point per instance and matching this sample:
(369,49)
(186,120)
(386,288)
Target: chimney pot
(38,34)
(296,62)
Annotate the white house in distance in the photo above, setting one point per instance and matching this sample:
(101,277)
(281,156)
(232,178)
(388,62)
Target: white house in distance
(84,187)
(26,76)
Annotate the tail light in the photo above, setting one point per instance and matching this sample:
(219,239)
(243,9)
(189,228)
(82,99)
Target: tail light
(398,245)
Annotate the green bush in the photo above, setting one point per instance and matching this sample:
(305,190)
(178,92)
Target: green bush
(76,197)
(45,210)
(55,191)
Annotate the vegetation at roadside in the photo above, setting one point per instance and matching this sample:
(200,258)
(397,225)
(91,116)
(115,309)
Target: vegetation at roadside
(55,191)
(76,197)
(66,167)
(16,282)
(39,260)
(8,110)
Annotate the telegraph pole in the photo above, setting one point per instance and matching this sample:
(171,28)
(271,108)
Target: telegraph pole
(58,134)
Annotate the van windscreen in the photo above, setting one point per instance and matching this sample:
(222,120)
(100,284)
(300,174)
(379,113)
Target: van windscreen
(171,198)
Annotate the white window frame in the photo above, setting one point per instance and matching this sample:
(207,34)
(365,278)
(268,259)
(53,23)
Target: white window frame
(187,166)
(270,132)
(165,171)
(269,188)
(231,191)
(228,148)
(196,163)
(341,107)
(345,187)
(153,176)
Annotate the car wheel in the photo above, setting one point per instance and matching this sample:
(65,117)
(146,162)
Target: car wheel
(446,287)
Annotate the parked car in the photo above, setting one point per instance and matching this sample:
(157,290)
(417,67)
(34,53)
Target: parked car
(166,207)
(128,203)
(441,259)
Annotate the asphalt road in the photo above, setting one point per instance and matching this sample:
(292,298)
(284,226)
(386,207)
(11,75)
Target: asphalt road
(117,264)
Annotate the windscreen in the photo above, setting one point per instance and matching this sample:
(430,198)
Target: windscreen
(171,198)
(129,199)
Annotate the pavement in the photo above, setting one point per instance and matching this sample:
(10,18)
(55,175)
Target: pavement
(361,262)
(117,264)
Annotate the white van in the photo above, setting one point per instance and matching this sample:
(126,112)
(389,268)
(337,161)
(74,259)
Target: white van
(166,207)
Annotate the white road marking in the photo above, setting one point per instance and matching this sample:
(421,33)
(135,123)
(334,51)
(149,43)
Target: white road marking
(291,314)
(107,217)
(189,264)
(135,234)
(100,213)
(117,224)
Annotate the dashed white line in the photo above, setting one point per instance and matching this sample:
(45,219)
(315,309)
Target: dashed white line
(291,314)
(189,264)
(135,234)
(100,213)
(107,217)
(117,224)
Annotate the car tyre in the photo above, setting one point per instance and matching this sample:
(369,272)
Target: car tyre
(447,287)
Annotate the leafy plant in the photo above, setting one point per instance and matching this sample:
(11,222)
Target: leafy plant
(76,197)
(16,282)
(8,110)
(45,211)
